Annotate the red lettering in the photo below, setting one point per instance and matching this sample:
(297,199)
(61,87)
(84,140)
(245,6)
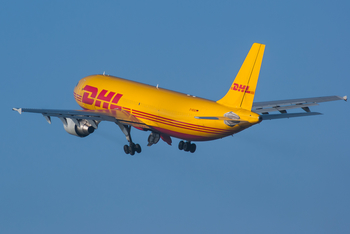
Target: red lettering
(102,95)
(106,96)
(93,91)
(235,86)
(242,88)
(117,98)
(98,103)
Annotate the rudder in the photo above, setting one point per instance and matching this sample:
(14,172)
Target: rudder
(242,91)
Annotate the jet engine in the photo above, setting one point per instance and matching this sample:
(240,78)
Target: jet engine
(80,128)
(153,138)
(232,116)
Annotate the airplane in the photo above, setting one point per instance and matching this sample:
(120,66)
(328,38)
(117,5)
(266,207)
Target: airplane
(166,113)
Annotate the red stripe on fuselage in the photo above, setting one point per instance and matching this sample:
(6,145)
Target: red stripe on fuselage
(178,123)
(174,125)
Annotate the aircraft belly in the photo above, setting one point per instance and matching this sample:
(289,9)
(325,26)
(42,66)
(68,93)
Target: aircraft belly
(192,132)
(187,136)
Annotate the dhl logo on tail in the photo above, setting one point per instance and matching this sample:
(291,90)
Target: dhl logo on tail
(241,88)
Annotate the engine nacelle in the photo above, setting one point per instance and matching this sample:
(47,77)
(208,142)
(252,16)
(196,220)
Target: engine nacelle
(82,130)
(232,116)
(153,138)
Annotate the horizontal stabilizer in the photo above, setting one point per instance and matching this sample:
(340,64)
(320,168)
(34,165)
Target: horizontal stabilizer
(283,105)
(290,115)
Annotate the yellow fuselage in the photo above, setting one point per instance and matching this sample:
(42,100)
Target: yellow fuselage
(161,110)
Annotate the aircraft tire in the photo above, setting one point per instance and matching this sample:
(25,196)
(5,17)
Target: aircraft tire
(132,150)
(181,145)
(187,146)
(193,148)
(138,148)
(126,149)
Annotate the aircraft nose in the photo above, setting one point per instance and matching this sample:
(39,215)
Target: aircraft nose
(77,92)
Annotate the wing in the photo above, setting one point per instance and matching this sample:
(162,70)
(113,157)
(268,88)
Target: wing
(114,115)
(283,105)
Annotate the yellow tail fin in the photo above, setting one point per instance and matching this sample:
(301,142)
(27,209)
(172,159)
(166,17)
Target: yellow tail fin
(242,91)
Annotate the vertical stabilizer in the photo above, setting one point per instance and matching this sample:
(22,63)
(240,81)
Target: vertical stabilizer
(242,91)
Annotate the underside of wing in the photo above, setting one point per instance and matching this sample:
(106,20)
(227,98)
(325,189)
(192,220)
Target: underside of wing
(114,115)
(282,106)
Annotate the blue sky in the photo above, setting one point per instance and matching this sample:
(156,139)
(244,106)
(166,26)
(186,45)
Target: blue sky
(281,176)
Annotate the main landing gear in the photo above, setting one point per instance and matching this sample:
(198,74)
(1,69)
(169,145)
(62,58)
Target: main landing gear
(152,139)
(187,146)
(132,147)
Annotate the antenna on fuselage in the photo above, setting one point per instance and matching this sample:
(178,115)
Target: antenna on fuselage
(157,86)
(104,73)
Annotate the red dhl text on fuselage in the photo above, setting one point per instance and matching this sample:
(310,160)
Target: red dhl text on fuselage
(163,109)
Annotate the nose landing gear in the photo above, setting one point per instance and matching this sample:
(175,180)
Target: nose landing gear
(187,146)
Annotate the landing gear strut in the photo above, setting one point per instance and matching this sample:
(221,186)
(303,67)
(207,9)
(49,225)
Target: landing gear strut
(132,147)
(187,146)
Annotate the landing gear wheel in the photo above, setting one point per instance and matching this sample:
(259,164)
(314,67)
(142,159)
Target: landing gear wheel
(193,148)
(181,145)
(132,150)
(187,146)
(126,149)
(138,148)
